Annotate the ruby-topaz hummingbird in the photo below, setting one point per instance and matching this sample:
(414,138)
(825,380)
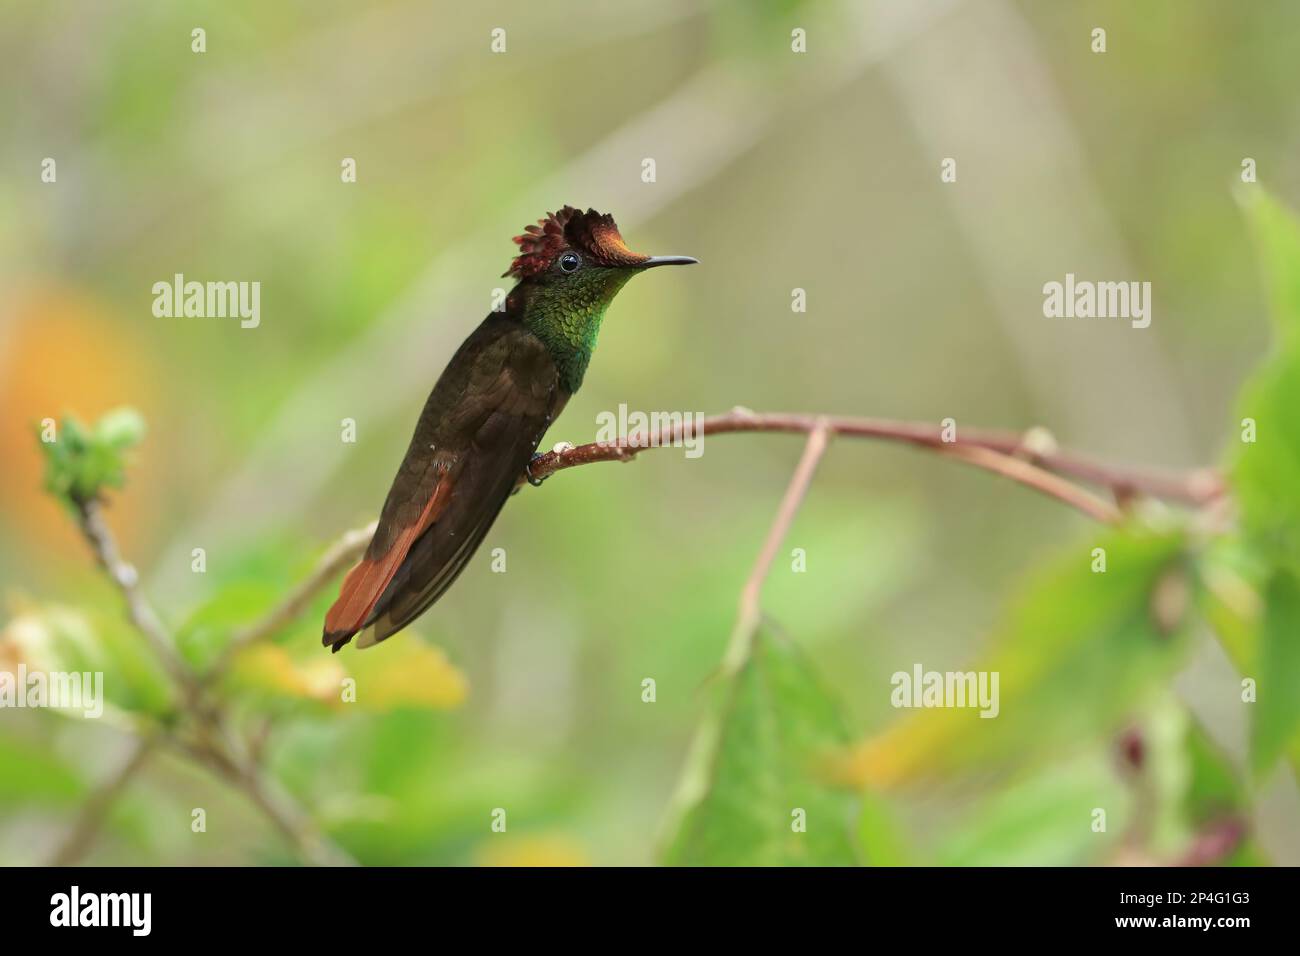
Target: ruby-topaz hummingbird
(483,420)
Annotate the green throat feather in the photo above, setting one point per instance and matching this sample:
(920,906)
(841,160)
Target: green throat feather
(566,316)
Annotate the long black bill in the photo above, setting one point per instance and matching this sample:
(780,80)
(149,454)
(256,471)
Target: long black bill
(668,261)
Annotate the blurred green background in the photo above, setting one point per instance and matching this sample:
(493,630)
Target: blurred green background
(778,170)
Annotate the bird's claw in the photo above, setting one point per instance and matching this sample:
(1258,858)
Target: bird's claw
(528,471)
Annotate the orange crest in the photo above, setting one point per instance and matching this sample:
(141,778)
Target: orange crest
(593,234)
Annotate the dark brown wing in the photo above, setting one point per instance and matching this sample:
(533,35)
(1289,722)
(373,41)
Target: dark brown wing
(478,431)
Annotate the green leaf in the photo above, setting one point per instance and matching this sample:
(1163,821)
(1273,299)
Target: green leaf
(1215,792)
(1198,805)
(1230,577)
(80,462)
(753,778)
(1266,471)
(1044,820)
(1169,794)
(1075,656)
(1277,708)
(1277,234)
(1266,474)
(1234,598)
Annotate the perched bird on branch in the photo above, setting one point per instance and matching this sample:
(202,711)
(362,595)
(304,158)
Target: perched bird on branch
(484,419)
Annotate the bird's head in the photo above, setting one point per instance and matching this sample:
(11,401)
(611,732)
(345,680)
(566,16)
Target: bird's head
(580,257)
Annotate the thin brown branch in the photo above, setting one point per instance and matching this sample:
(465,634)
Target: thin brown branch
(1198,487)
(278,807)
(749,614)
(216,748)
(90,519)
(95,810)
(292,823)
(216,751)
(1031,476)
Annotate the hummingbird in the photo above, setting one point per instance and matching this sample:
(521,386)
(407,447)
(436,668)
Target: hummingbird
(480,427)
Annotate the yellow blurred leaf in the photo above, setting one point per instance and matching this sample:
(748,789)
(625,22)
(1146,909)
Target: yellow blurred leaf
(270,669)
(406,673)
(548,850)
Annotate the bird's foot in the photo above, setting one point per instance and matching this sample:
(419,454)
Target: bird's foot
(528,471)
(559,449)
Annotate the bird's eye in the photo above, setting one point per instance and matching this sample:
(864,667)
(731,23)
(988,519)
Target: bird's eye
(569,262)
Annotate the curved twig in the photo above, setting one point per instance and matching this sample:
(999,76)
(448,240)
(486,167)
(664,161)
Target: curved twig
(219,749)
(749,613)
(1035,448)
